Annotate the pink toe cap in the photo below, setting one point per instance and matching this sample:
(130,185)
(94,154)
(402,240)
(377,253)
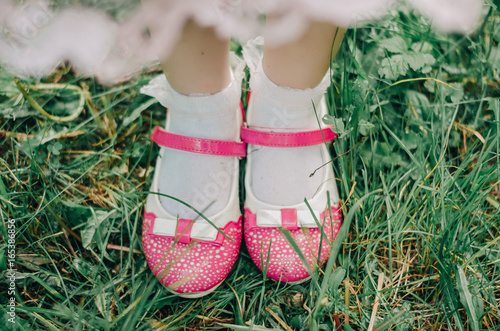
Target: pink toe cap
(192,267)
(284,263)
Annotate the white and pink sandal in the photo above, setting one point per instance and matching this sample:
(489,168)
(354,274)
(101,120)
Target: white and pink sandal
(264,223)
(192,257)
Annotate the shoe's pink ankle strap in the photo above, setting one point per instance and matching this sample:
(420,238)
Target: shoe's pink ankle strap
(198,145)
(287,139)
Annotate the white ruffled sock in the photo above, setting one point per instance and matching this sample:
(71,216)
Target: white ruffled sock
(280,176)
(203,181)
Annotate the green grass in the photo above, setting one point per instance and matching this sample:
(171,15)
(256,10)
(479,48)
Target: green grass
(417,161)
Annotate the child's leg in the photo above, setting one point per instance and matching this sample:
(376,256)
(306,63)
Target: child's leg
(303,63)
(202,97)
(199,62)
(284,88)
(198,164)
(288,86)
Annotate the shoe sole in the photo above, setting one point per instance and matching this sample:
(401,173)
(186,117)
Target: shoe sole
(300,281)
(194,295)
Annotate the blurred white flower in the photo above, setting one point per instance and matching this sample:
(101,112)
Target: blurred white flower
(293,16)
(68,36)
(34,39)
(450,15)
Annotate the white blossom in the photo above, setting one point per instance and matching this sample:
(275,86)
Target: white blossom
(35,39)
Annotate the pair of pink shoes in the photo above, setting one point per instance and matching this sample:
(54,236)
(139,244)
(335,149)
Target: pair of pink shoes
(193,257)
